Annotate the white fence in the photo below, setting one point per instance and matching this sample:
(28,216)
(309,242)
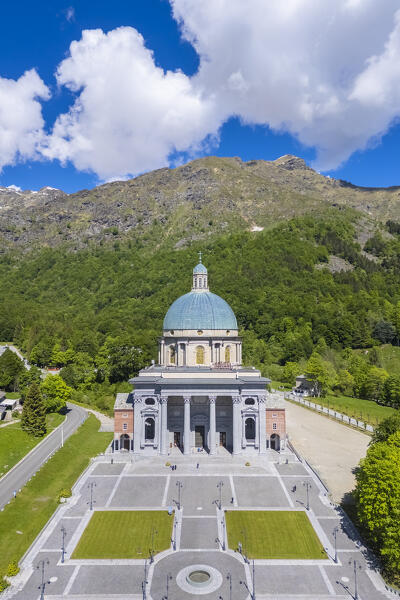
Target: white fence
(329,411)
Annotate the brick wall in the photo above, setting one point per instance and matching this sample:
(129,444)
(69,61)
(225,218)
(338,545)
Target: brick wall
(276,416)
(122,416)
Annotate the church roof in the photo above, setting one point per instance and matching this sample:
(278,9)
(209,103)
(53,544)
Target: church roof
(200,310)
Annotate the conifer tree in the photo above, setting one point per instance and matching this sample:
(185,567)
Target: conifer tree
(33,419)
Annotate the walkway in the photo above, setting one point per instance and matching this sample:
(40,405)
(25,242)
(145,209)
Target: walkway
(333,449)
(17,477)
(199,535)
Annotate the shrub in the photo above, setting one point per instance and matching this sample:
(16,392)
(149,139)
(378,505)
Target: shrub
(12,569)
(3,584)
(247,464)
(65,493)
(167,464)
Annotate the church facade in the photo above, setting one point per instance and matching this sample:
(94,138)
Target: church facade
(199,396)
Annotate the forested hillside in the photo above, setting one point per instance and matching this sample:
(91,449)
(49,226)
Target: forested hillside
(97,312)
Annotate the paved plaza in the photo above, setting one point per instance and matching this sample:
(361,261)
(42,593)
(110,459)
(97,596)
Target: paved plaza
(198,534)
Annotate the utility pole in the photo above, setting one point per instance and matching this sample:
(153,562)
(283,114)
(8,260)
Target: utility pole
(63,534)
(169,578)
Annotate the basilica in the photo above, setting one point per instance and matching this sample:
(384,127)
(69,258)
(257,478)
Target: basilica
(199,397)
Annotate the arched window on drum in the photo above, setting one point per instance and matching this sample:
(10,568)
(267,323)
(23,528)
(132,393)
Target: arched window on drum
(228,354)
(172,355)
(199,355)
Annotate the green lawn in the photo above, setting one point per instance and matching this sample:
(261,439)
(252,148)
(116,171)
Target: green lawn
(23,519)
(275,534)
(15,443)
(125,534)
(363,410)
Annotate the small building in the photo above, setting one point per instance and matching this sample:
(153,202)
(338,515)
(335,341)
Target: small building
(199,396)
(304,386)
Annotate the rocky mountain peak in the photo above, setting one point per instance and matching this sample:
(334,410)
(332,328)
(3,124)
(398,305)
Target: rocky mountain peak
(290,162)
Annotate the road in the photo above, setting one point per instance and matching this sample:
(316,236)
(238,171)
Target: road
(23,471)
(333,449)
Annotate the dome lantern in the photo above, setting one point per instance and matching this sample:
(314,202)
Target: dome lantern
(200,277)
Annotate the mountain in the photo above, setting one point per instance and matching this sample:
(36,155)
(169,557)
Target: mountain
(190,202)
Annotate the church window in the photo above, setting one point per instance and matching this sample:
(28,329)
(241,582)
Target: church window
(250,429)
(228,332)
(249,401)
(125,426)
(149,401)
(199,355)
(228,354)
(200,332)
(172,354)
(149,429)
(200,283)
(273,425)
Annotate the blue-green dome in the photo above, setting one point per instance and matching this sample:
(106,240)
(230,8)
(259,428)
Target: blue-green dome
(200,268)
(200,310)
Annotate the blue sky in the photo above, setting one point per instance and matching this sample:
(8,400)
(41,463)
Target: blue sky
(220,97)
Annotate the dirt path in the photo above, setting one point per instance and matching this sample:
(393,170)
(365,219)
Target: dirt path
(334,450)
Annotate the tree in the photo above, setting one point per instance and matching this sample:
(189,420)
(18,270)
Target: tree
(56,393)
(11,366)
(345,382)
(373,386)
(384,332)
(391,392)
(33,419)
(291,370)
(386,428)
(377,497)
(321,373)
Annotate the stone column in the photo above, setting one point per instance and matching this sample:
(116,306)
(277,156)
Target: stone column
(162,352)
(186,425)
(137,423)
(262,425)
(236,401)
(164,427)
(213,425)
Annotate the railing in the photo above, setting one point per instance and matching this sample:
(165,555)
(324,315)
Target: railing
(330,413)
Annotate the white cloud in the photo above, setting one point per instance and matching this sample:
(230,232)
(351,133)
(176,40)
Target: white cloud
(21,121)
(129,115)
(14,188)
(327,72)
(70,14)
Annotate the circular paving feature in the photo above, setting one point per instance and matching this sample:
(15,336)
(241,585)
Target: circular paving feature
(199,579)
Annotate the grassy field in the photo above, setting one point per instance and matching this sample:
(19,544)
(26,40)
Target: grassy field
(23,519)
(273,534)
(125,534)
(363,410)
(15,443)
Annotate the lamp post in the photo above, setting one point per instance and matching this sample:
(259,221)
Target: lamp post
(307,485)
(335,532)
(229,578)
(220,485)
(63,534)
(91,485)
(356,567)
(179,485)
(253,591)
(169,578)
(41,567)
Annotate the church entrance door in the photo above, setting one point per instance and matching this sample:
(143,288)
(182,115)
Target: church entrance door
(177,439)
(222,438)
(199,436)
